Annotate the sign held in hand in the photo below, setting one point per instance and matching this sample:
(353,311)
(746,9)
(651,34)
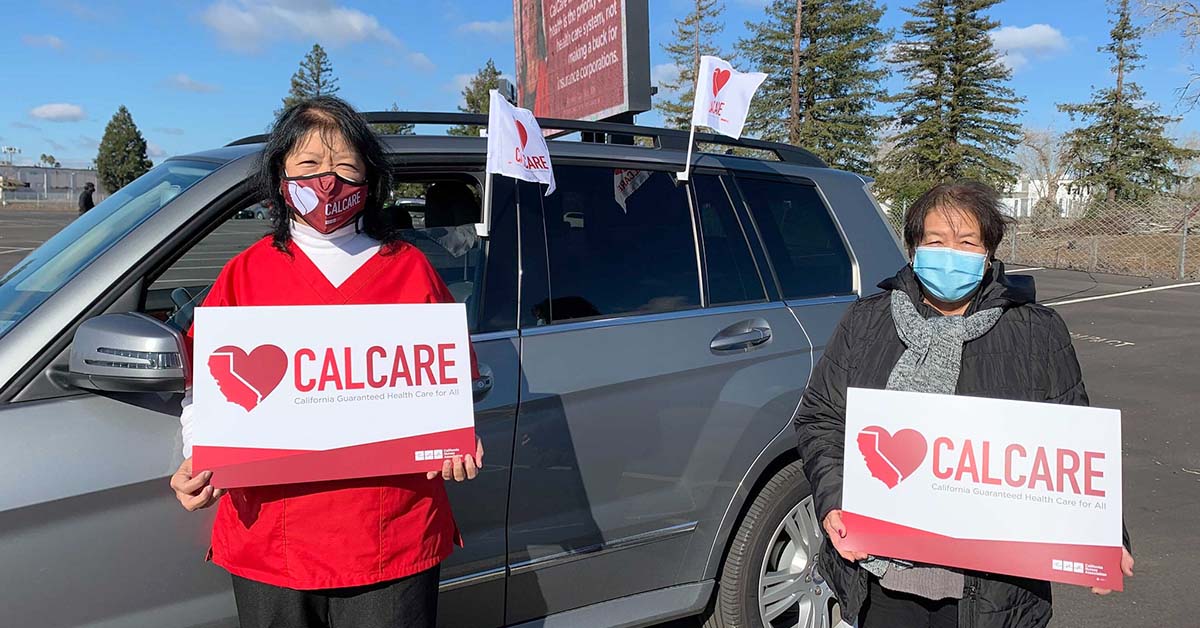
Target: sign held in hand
(301,394)
(1011,487)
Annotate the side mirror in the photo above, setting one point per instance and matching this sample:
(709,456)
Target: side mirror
(128,353)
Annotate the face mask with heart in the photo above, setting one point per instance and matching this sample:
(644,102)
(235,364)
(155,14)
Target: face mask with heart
(326,201)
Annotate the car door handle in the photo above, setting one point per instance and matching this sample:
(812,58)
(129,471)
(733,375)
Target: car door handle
(742,336)
(482,385)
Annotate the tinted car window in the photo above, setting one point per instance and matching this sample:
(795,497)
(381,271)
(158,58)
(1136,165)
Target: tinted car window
(732,276)
(805,247)
(618,242)
(48,268)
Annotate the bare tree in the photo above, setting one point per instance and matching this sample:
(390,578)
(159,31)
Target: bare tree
(1043,160)
(1183,16)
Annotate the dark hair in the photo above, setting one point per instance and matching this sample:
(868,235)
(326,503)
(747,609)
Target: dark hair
(978,200)
(327,115)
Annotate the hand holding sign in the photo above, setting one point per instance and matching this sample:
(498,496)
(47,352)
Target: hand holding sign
(461,468)
(835,531)
(1012,487)
(194,492)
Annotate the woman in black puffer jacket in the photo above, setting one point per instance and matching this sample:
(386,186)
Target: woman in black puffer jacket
(1011,348)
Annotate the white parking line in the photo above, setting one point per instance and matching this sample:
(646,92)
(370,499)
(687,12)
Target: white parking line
(16,250)
(1123,294)
(1027,270)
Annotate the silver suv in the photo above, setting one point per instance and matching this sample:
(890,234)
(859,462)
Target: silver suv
(643,345)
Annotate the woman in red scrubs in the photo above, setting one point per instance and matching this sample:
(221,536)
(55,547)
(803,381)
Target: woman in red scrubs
(357,553)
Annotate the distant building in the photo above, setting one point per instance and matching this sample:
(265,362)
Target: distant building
(1023,197)
(49,184)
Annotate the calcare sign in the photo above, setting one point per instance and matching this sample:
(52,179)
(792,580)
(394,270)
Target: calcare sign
(1012,487)
(307,393)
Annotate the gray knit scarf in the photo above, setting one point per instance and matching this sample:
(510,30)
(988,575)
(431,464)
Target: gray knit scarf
(930,363)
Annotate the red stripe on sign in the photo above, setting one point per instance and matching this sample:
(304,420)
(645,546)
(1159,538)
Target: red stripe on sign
(1084,565)
(234,467)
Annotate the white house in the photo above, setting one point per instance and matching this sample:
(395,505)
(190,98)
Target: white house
(1022,198)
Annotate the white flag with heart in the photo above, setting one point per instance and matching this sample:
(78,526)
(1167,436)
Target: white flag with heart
(723,96)
(515,144)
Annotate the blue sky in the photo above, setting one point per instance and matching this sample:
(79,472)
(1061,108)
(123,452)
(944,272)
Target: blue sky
(199,74)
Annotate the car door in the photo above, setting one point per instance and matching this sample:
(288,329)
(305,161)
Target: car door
(648,385)
(808,254)
(485,277)
(86,513)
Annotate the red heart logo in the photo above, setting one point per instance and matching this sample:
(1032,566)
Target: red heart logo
(891,457)
(247,378)
(720,78)
(522,132)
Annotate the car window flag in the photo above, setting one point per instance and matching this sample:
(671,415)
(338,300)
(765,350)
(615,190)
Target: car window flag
(722,100)
(515,144)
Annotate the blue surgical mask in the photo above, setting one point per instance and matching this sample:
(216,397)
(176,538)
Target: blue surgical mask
(949,275)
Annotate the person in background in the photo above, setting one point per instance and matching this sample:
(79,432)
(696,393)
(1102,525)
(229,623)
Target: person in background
(357,553)
(950,322)
(85,198)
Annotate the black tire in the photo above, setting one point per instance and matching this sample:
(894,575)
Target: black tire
(736,602)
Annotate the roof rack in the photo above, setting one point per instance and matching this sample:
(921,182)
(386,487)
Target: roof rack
(664,138)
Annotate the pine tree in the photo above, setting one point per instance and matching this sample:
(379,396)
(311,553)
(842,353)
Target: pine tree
(392,128)
(694,37)
(956,117)
(313,78)
(121,157)
(821,58)
(1123,148)
(477,97)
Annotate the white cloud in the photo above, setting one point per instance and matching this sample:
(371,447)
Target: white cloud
(186,83)
(58,112)
(168,130)
(17,124)
(1018,45)
(245,26)
(43,41)
(459,82)
(87,141)
(55,146)
(154,150)
(664,73)
(497,28)
(420,61)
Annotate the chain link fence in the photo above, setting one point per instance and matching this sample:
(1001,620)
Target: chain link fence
(1154,238)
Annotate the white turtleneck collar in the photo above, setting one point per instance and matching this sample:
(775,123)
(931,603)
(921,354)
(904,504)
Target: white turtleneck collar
(338,254)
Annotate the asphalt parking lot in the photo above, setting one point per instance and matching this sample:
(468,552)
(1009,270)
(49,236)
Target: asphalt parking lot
(1140,352)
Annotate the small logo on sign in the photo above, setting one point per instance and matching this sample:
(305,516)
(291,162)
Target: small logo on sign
(244,378)
(720,78)
(891,457)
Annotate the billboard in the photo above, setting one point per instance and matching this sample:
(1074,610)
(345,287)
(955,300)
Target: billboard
(582,59)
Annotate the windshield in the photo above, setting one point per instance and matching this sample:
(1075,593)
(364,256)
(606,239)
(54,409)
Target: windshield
(49,267)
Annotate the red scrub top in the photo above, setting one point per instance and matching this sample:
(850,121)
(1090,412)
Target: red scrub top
(342,533)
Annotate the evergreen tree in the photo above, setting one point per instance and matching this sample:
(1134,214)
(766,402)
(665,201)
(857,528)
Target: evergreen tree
(477,97)
(391,128)
(694,37)
(956,117)
(1123,148)
(122,154)
(821,58)
(313,78)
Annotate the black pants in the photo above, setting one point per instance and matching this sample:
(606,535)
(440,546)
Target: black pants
(405,603)
(891,609)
